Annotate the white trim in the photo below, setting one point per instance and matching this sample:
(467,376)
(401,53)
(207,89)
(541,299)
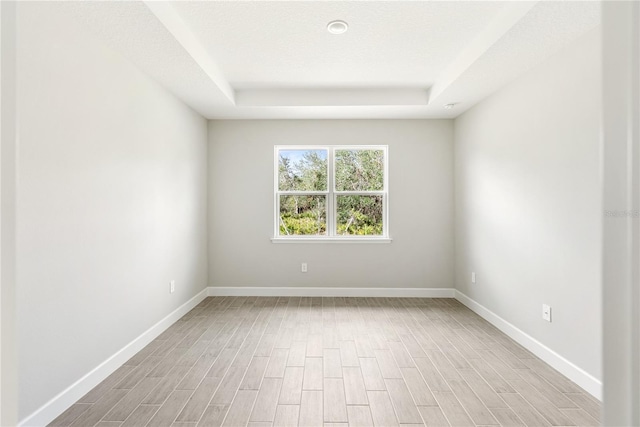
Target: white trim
(68,397)
(331,239)
(576,374)
(56,406)
(331,194)
(331,292)
(620,174)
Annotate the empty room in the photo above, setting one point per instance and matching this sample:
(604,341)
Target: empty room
(319,213)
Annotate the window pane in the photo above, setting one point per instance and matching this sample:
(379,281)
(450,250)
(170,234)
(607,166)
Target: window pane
(302,170)
(359,170)
(359,215)
(303,215)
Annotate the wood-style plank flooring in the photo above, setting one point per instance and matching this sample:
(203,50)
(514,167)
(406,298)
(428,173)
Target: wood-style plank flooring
(287,361)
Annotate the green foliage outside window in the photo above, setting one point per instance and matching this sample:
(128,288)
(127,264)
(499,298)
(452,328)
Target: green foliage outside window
(306,170)
(302,170)
(359,215)
(359,170)
(303,215)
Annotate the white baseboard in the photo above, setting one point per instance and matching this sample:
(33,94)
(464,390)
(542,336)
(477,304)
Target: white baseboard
(332,292)
(68,397)
(576,374)
(56,406)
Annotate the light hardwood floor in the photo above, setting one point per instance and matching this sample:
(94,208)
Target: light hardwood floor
(269,361)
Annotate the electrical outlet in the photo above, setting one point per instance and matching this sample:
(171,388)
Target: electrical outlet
(172,286)
(546,312)
(304,267)
(473,277)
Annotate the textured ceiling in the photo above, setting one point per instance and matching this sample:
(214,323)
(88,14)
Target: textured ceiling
(134,31)
(283,44)
(524,46)
(263,59)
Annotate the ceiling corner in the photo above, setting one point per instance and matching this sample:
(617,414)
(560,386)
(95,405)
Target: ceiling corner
(173,22)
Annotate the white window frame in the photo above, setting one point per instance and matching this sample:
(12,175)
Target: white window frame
(331,197)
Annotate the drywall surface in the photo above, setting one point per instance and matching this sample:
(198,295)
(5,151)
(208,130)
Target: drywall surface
(528,203)
(621,203)
(8,352)
(241,207)
(111,203)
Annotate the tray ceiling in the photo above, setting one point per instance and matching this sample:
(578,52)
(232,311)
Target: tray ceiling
(263,59)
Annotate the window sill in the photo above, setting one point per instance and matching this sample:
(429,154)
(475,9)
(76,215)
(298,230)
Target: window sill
(331,240)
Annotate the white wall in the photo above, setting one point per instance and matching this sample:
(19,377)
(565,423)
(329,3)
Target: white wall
(528,203)
(241,207)
(111,203)
(8,353)
(621,200)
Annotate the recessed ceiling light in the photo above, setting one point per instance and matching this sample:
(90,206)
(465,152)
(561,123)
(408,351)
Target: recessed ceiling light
(337,27)
(449,106)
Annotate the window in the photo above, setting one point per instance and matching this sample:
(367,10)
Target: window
(331,193)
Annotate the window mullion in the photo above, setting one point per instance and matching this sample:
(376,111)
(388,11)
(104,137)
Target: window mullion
(303,193)
(331,196)
(331,210)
